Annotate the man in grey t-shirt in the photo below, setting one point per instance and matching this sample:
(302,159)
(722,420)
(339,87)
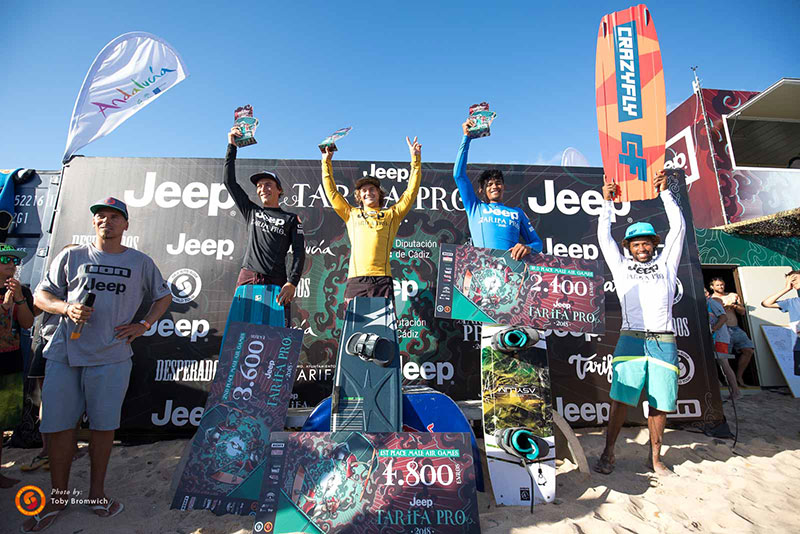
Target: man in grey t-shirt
(89,356)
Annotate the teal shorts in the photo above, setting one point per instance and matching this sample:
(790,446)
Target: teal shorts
(646,360)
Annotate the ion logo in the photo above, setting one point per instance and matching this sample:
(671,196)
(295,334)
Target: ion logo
(685,367)
(632,155)
(626,53)
(685,408)
(185,285)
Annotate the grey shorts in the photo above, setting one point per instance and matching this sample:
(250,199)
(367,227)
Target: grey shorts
(739,340)
(98,390)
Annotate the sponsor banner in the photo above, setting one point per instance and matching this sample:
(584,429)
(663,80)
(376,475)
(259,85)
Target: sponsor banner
(226,460)
(181,208)
(731,195)
(364,483)
(129,73)
(540,291)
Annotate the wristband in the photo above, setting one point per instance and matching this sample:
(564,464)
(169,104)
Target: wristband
(145,323)
(20,301)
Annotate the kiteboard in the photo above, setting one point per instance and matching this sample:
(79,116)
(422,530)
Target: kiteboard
(631,102)
(255,304)
(367,393)
(517,415)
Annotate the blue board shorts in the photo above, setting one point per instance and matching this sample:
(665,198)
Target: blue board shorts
(98,390)
(739,339)
(646,360)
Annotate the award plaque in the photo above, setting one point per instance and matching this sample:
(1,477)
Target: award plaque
(330,141)
(247,124)
(481,119)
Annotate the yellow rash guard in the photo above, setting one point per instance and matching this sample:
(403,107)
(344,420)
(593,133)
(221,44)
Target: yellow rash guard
(371,232)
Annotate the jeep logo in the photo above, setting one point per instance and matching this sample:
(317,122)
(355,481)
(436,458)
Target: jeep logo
(220,248)
(569,203)
(167,195)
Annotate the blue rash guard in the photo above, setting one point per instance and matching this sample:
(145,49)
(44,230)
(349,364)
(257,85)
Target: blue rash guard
(492,225)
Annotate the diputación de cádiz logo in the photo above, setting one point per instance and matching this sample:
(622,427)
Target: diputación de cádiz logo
(30,500)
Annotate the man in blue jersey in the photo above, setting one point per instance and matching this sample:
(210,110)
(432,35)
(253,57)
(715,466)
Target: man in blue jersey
(491,223)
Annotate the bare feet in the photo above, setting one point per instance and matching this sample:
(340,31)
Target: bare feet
(6,482)
(659,468)
(605,464)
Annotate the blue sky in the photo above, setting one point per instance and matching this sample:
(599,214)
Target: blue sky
(386,69)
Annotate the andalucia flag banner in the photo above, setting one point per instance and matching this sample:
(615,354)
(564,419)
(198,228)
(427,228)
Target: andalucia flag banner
(129,73)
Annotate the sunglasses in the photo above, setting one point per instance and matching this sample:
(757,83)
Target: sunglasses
(10,259)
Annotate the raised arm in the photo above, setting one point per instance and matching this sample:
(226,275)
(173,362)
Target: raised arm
(609,248)
(340,205)
(772,300)
(465,188)
(405,202)
(243,202)
(673,245)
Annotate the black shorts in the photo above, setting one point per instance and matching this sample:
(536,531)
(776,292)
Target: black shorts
(38,362)
(369,286)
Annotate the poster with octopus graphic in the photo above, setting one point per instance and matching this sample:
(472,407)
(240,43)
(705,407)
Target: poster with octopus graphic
(361,483)
(542,291)
(224,464)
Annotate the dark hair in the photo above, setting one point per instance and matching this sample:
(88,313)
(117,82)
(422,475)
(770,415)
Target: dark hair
(654,239)
(491,174)
(793,272)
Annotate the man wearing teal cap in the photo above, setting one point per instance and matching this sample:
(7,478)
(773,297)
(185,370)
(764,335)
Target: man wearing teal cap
(646,356)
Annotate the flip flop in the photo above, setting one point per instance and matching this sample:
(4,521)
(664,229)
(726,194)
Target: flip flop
(40,518)
(106,508)
(36,463)
(603,466)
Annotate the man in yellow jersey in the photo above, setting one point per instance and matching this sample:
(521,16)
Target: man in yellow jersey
(370,227)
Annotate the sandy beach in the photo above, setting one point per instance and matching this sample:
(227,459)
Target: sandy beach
(752,488)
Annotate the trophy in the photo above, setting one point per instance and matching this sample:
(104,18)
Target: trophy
(244,120)
(481,119)
(330,141)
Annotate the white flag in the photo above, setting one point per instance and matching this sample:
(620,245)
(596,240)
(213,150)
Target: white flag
(130,72)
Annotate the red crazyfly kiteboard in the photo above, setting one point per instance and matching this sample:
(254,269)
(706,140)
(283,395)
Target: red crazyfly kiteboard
(631,102)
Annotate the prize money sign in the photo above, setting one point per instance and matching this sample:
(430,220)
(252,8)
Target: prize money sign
(542,291)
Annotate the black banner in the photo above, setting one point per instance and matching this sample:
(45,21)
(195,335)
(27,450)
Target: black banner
(183,217)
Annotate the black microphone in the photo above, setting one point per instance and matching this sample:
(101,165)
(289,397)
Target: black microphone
(87,300)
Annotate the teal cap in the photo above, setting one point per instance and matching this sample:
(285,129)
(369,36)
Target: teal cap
(640,229)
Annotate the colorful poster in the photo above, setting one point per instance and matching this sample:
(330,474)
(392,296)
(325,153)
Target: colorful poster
(223,467)
(360,483)
(542,291)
